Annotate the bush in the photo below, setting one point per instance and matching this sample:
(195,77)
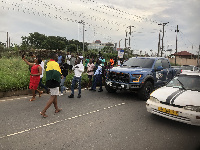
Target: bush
(84,80)
(14,74)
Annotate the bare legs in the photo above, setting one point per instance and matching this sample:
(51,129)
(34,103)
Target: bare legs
(33,93)
(53,99)
(40,92)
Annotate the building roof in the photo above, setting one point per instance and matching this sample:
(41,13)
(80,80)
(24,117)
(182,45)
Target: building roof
(97,41)
(183,53)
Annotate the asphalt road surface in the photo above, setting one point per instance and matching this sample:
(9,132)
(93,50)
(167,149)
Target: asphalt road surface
(96,121)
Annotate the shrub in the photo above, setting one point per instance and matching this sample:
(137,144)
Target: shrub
(84,80)
(14,74)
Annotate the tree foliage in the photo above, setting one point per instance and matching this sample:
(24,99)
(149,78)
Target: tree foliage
(40,41)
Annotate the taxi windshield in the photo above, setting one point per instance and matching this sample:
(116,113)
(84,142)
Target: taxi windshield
(187,82)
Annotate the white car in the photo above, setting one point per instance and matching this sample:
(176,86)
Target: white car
(179,100)
(189,68)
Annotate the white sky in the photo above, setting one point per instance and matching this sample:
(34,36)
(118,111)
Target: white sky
(105,20)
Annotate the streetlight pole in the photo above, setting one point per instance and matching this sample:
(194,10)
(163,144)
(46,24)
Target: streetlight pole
(163,24)
(82,22)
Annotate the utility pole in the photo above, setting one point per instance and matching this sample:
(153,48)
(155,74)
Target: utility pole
(125,42)
(82,22)
(163,24)
(9,43)
(83,35)
(119,43)
(7,40)
(129,34)
(162,47)
(126,33)
(176,43)
(198,57)
(158,45)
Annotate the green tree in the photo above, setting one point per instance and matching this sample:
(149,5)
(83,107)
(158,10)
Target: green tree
(72,48)
(40,41)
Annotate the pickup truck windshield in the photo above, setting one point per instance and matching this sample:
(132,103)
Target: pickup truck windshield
(139,62)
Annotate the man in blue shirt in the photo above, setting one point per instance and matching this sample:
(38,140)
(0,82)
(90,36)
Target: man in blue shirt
(98,78)
(59,59)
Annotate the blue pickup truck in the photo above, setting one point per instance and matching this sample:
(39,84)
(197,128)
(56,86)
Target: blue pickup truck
(140,74)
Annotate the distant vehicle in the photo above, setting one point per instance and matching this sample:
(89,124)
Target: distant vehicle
(189,68)
(140,74)
(178,69)
(179,100)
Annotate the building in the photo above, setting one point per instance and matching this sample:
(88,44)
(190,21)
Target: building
(98,45)
(184,54)
(184,58)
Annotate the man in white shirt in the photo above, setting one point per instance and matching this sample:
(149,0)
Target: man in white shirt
(81,58)
(78,70)
(68,58)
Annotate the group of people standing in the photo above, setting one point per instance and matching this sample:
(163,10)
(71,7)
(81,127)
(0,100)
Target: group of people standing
(58,67)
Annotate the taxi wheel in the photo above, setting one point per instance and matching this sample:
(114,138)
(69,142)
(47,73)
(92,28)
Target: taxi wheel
(145,91)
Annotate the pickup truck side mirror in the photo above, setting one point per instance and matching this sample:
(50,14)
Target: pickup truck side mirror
(159,68)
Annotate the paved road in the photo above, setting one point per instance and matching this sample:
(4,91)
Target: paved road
(97,121)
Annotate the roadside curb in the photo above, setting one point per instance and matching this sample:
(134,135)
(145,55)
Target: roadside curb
(15,93)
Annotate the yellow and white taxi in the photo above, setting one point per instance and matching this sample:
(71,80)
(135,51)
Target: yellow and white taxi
(179,100)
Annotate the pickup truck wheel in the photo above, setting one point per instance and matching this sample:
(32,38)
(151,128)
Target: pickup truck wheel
(145,91)
(109,89)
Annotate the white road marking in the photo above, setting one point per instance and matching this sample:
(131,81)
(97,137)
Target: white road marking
(49,124)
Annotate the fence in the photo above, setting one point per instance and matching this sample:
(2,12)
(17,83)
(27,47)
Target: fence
(184,61)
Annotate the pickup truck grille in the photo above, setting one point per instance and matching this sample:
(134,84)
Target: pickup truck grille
(119,77)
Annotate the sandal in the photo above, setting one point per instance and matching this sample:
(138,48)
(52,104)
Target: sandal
(43,115)
(40,93)
(57,111)
(32,99)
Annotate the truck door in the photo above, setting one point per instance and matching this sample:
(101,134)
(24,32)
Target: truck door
(159,75)
(167,70)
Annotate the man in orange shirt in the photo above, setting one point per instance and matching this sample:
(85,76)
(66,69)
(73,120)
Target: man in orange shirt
(111,61)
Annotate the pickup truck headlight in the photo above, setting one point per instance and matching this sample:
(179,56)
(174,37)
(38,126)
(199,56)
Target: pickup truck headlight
(136,77)
(153,99)
(192,108)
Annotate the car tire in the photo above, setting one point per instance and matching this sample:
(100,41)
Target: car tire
(145,91)
(109,89)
